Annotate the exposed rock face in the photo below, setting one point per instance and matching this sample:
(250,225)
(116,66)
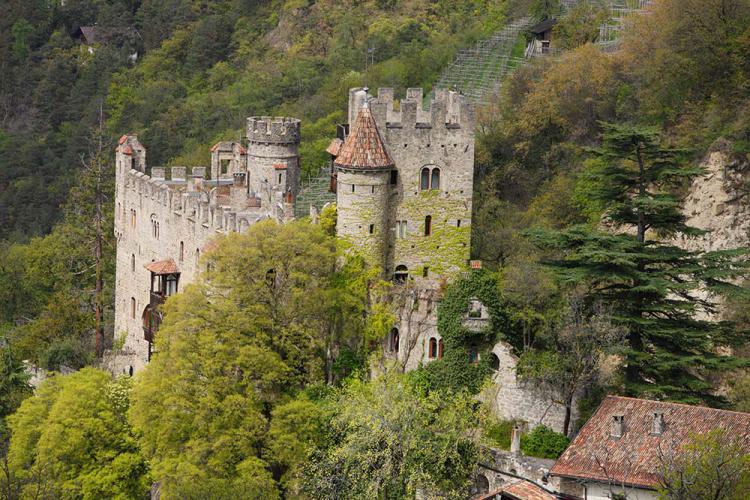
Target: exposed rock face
(719,202)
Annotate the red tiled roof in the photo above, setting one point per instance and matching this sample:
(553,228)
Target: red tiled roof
(163,267)
(243,150)
(364,148)
(635,457)
(521,490)
(127,150)
(280,166)
(123,139)
(334,148)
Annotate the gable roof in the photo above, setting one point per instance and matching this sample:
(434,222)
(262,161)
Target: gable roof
(519,490)
(163,267)
(334,148)
(364,148)
(634,458)
(544,26)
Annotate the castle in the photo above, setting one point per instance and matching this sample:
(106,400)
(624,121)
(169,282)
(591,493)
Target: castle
(403,182)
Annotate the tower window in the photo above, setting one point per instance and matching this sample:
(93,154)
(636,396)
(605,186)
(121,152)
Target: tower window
(428,225)
(424,179)
(279,178)
(394,177)
(132,262)
(393,340)
(401,274)
(372,228)
(372,189)
(425,272)
(401,229)
(458,223)
(132,307)
(182,251)
(433,350)
(435,181)
(352,188)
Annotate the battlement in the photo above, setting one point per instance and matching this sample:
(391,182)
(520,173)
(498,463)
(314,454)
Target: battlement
(275,130)
(447,109)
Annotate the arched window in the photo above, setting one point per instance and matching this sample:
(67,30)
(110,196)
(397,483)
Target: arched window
(473,354)
(435,181)
(428,225)
(424,180)
(401,274)
(132,307)
(482,484)
(494,362)
(433,352)
(440,349)
(393,340)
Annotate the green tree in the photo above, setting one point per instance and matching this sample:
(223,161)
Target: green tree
(656,290)
(261,323)
(72,440)
(713,465)
(570,360)
(390,439)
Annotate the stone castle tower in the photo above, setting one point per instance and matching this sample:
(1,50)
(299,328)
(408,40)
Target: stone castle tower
(403,179)
(165,218)
(404,182)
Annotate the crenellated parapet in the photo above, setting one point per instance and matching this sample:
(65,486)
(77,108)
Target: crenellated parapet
(447,110)
(273,130)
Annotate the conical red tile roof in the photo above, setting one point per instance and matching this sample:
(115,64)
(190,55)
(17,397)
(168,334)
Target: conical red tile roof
(364,148)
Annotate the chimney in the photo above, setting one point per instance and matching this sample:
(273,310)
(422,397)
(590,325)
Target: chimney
(618,425)
(657,426)
(515,439)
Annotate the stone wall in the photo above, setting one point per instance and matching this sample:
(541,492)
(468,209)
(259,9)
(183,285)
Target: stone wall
(440,138)
(171,215)
(511,399)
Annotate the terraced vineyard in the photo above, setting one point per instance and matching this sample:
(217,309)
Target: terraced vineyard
(478,72)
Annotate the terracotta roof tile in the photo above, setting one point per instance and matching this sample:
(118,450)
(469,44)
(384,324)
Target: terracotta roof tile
(521,490)
(634,458)
(280,166)
(163,267)
(127,150)
(364,148)
(123,139)
(243,150)
(334,148)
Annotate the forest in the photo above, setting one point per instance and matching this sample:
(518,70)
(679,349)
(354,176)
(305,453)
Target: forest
(279,389)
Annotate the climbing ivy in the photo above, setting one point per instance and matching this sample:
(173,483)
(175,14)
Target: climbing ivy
(456,370)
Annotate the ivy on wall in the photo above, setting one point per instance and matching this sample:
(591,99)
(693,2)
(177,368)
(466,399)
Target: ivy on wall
(466,361)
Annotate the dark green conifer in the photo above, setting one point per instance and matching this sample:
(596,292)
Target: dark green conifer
(661,293)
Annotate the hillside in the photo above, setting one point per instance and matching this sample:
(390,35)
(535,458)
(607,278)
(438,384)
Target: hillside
(485,279)
(201,68)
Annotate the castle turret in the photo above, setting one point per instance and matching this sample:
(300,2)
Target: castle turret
(430,184)
(273,155)
(364,168)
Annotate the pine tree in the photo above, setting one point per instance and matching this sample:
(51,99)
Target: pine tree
(659,292)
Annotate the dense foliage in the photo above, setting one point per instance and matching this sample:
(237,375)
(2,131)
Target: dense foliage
(72,440)
(389,438)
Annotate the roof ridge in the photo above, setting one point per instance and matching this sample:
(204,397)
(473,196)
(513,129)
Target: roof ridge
(630,398)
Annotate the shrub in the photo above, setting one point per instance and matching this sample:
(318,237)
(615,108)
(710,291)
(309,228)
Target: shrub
(543,442)
(499,432)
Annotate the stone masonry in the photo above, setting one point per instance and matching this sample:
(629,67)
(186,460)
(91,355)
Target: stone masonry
(403,177)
